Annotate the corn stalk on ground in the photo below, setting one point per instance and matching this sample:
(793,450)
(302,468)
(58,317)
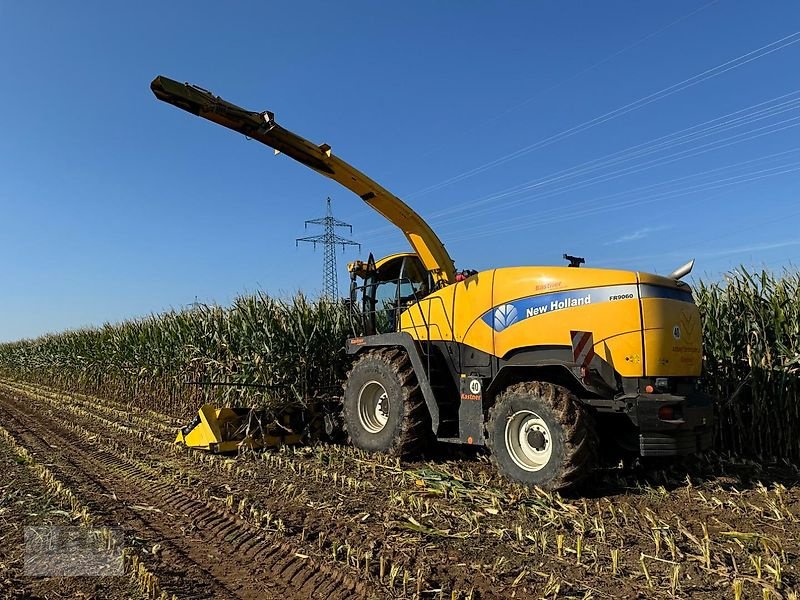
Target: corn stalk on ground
(363,525)
(294,348)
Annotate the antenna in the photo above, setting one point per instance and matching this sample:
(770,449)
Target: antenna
(329,240)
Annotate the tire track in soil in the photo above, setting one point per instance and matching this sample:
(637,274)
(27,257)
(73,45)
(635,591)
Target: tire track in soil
(296,517)
(197,559)
(436,568)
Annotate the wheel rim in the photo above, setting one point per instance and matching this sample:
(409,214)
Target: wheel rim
(373,407)
(528,440)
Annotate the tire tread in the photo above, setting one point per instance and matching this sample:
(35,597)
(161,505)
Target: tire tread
(415,428)
(580,437)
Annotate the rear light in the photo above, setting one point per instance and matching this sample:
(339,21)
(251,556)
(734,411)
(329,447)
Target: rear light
(659,385)
(670,413)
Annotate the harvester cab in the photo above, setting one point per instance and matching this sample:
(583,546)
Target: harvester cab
(536,363)
(381,291)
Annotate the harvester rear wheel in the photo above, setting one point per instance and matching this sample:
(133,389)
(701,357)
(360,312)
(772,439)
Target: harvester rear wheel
(383,408)
(540,434)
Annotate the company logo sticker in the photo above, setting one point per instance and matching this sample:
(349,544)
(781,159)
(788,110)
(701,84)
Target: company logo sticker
(505,316)
(676,332)
(687,322)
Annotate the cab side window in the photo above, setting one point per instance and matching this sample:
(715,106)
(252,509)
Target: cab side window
(394,286)
(415,282)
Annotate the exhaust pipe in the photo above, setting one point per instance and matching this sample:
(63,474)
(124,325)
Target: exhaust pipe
(682,271)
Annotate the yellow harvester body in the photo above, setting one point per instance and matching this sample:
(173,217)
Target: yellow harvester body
(642,324)
(530,360)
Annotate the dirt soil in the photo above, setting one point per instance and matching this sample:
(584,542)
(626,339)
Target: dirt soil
(24,502)
(330,521)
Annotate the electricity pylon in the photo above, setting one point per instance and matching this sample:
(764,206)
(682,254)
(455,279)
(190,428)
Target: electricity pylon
(329,240)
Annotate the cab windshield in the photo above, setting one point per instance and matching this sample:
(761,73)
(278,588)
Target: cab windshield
(388,290)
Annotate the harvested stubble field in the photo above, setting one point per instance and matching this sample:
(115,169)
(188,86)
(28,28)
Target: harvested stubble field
(329,521)
(88,418)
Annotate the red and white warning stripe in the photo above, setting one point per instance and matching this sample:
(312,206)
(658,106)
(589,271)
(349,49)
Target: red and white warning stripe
(582,347)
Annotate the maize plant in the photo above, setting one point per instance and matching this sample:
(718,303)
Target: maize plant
(260,351)
(751,344)
(270,352)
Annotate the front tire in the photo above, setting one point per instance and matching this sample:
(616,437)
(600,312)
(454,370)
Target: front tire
(383,408)
(539,434)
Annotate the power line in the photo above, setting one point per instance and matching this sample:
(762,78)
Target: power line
(497,116)
(647,165)
(729,65)
(329,241)
(594,206)
(646,148)
(521,223)
(736,119)
(591,67)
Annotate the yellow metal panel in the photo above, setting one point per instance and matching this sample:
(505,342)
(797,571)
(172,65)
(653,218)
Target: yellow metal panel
(673,338)
(614,326)
(673,344)
(623,352)
(474,298)
(387,259)
(615,323)
(552,302)
(431,314)
(206,432)
(518,282)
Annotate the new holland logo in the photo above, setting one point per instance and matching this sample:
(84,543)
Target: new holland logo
(505,316)
(687,322)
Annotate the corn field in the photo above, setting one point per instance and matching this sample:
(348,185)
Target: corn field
(751,343)
(336,520)
(276,351)
(289,351)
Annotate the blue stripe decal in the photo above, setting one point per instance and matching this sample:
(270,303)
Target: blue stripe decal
(504,316)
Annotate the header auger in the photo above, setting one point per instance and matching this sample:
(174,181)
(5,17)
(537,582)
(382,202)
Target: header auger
(536,363)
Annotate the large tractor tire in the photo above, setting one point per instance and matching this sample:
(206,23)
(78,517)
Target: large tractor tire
(540,434)
(383,408)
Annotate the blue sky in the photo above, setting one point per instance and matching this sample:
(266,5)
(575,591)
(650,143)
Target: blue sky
(637,134)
